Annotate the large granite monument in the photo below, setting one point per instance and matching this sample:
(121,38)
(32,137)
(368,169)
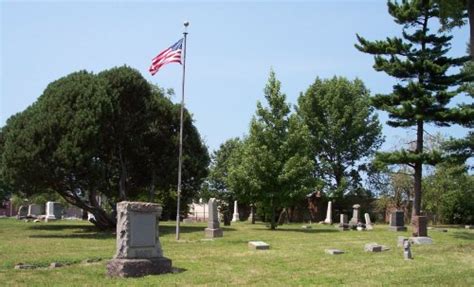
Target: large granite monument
(213,229)
(138,245)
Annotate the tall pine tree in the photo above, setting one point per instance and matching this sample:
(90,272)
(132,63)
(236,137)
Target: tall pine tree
(425,76)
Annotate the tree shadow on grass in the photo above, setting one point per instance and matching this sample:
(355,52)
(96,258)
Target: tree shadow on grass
(186,229)
(72,231)
(59,227)
(463,235)
(306,230)
(95,235)
(175,270)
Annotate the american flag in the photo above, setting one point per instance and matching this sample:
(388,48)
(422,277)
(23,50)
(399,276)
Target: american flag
(170,55)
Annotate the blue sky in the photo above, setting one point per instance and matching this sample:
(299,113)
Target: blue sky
(231,48)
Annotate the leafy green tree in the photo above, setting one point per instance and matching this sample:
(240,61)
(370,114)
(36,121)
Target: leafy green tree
(93,139)
(449,194)
(344,130)
(419,61)
(397,192)
(274,164)
(217,185)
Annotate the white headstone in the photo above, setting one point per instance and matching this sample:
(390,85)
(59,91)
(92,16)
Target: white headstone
(235,217)
(368,222)
(50,210)
(328,219)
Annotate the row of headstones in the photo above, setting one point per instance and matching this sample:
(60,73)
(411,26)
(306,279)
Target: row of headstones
(54,210)
(139,250)
(397,222)
(235,215)
(354,223)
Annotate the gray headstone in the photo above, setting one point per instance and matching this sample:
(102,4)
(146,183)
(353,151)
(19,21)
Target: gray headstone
(138,246)
(372,247)
(35,210)
(73,212)
(407,250)
(397,221)
(252,214)
(343,219)
(421,240)
(355,214)
(343,225)
(213,229)
(420,224)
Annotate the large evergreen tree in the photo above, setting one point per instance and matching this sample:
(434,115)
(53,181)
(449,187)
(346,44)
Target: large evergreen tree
(345,131)
(420,62)
(453,13)
(101,136)
(273,167)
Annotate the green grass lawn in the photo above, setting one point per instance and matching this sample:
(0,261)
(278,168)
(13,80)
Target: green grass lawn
(296,256)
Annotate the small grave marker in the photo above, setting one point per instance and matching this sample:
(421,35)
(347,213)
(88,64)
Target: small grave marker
(333,251)
(258,245)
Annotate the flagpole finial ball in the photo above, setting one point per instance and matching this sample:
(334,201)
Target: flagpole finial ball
(186,23)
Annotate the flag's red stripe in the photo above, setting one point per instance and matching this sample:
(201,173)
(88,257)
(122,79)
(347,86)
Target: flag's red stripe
(165,57)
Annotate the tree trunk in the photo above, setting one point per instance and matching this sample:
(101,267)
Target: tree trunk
(102,221)
(151,194)
(418,171)
(272,219)
(470,12)
(123,176)
(253,213)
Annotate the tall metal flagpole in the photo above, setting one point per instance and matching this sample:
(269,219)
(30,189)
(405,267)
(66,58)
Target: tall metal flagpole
(180,158)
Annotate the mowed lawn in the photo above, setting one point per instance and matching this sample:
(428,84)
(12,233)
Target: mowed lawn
(296,256)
